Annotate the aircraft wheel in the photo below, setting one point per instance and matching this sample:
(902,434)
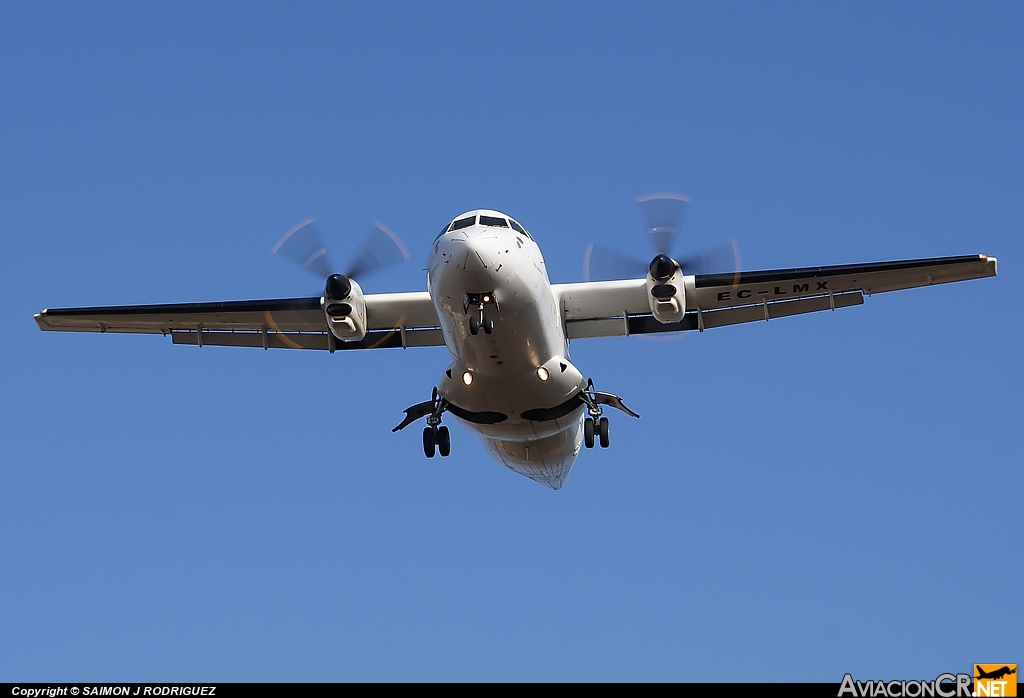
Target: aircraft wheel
(428,442)
(602,428)
(474,325)
(488,325)
(444,442)
(588,432)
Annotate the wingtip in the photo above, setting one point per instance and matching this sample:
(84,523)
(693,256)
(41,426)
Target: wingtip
(995,262)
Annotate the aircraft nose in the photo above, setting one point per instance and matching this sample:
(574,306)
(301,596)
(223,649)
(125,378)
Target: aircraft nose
(480,253)
(479,262)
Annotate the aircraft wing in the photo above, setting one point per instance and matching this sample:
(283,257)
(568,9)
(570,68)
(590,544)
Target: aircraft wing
(393,320)
(615,308)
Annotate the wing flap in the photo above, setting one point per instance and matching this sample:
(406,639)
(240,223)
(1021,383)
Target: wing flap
(707,319)
(378,339)
(767,310)
(248,338)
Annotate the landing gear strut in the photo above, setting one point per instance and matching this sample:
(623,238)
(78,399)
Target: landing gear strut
(436,438)
(595,424)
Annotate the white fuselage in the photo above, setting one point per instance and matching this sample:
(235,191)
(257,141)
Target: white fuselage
(493,385)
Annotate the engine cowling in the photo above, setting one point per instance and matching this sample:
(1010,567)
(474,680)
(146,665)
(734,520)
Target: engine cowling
(665,291)
(345,308)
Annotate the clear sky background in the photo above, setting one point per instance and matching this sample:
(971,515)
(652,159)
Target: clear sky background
(823,494)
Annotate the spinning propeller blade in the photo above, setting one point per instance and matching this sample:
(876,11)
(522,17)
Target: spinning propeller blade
(381,248)
(301,245)
(717,259)
(662,215)
(602,264)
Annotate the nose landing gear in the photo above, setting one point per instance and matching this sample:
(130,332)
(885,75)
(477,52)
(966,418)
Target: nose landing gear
(485,323)
(478,320)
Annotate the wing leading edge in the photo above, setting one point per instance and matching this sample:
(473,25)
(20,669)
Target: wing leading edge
(393,320)
(616,308)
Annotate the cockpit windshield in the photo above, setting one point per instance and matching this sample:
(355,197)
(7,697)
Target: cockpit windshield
(493,221)
(463,223)
(519,228)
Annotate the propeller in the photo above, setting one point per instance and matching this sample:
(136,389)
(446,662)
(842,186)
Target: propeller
(302,246)
(662,214)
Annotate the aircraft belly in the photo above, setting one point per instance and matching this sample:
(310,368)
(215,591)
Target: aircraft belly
(546,460)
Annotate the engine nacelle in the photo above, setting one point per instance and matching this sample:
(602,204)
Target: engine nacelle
(665,290)
(345,308)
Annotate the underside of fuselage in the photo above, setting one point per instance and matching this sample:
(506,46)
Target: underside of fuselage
(546,460)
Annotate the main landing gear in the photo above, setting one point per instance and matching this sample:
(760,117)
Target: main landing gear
(592,425)
(478,320)
(595,425)
(436,438)
(439,437)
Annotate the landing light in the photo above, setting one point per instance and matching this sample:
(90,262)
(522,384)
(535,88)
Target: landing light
(542,373)
(467,378)
(487,299)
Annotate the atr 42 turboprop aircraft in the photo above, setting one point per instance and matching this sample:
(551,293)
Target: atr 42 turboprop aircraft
(507,327)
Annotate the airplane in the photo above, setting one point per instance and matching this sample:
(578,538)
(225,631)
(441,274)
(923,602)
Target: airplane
(996,674)
(507,327)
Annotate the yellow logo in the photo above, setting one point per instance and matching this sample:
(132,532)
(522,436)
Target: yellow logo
(995,680)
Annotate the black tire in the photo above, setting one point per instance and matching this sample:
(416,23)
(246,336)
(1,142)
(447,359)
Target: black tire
(428,442)
(444,442)
(488,325)
(588,432)
(474,325)
(602,428)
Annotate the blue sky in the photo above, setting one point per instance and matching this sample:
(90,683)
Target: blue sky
(823,494)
